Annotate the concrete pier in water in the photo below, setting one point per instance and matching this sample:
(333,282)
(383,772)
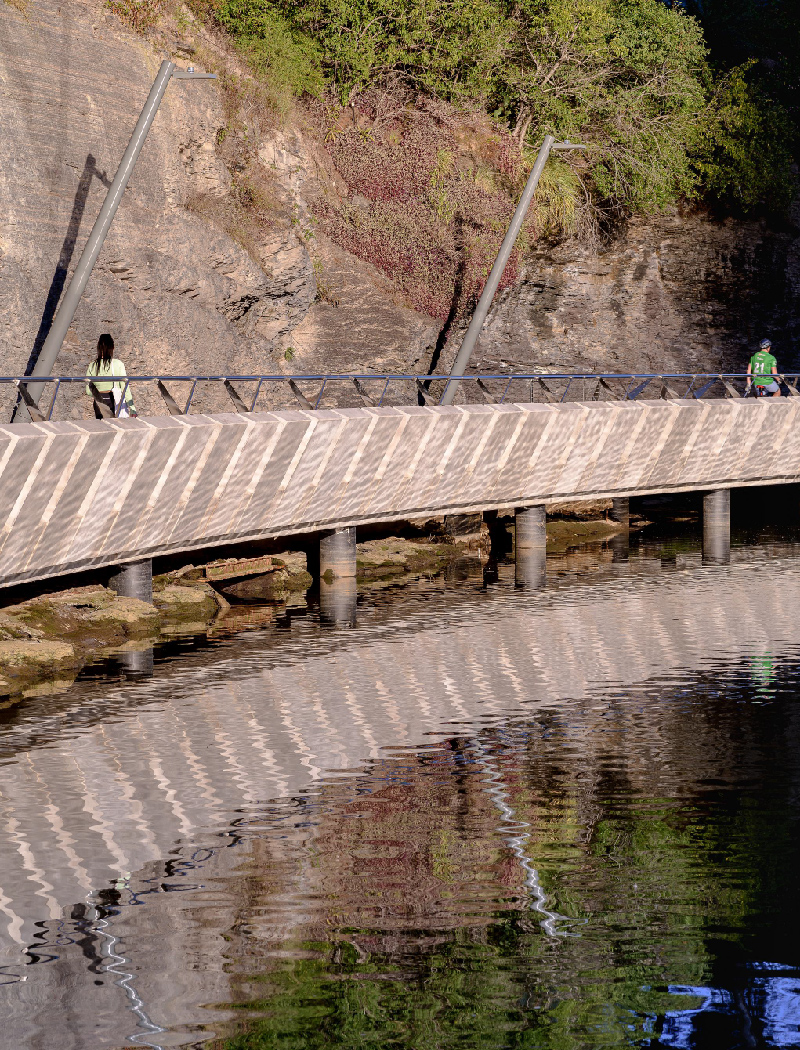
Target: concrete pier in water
(530,547)
(620,510)
(134,580)
(717,527)
(338,600)
(337,553)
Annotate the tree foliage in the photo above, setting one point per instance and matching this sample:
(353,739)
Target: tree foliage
(632,79)
(623,77)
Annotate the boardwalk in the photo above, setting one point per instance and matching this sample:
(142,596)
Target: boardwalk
(77,495)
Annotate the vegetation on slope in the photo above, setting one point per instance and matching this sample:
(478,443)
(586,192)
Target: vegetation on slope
(432,112)
(663,120)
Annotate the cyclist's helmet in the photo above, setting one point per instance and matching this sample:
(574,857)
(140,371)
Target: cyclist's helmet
(765,344)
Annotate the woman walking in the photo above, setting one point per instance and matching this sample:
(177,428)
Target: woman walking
(109,393)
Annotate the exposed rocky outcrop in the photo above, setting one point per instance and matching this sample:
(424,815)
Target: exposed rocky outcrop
(678,293)
(179,293)
(184,290)
(176,293)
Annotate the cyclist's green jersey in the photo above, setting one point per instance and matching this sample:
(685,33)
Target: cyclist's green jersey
(761,365)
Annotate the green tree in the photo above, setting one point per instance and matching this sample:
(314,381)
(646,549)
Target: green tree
(450,49)
(275,48)
(630,78)
(745,156)
(624,77)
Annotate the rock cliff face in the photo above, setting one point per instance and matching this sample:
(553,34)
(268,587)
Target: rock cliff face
(181,295)
(178,294)
(679,293)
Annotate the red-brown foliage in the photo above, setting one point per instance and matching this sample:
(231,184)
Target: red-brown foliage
(430,196)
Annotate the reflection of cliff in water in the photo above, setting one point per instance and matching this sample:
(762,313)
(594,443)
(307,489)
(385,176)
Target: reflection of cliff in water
(122,795)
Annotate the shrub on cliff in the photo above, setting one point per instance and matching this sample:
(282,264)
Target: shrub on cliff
(273,46)
(420,207)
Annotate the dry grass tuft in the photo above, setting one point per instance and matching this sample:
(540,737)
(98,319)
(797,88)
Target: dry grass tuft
(140,15)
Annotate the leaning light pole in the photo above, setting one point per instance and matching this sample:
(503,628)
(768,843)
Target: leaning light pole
(506,248)
(83,271)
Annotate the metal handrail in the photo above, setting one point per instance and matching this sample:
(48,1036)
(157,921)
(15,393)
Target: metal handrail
(632,386)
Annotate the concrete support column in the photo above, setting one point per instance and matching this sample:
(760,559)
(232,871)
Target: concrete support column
(337,552)
(530,547)
(136,663)
(530,568)
(134,580)
(620,510)
(531,527)
(717,527)
(337,601)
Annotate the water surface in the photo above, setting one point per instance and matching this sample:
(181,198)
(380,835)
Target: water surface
(484,817)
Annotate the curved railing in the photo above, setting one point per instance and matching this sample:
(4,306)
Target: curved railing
(312,391)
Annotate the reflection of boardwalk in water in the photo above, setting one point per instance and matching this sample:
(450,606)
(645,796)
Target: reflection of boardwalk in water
(99,789)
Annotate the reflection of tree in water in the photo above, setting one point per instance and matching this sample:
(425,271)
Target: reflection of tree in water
(664,828)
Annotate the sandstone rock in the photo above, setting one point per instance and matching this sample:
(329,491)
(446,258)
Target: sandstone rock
(11,628)
(358,323)
(174,596)
(396,555)
(81,597)
(184,628)
(19,654)
(49,686)
(293,561)
(128,612)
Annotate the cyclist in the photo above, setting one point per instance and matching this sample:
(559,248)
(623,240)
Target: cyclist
(761,367)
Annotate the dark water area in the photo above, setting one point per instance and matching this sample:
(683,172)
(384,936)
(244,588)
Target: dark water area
(482,817)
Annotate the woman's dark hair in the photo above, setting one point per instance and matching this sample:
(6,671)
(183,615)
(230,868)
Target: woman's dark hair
(105,349)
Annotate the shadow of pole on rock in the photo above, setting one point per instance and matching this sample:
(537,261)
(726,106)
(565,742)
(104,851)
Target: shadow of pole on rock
(455,302)
(90,171)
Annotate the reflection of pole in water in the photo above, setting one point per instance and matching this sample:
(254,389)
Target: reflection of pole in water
(516,838)
(621,546)
(136,663)
(125,981)
(530,568)
(337,601)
